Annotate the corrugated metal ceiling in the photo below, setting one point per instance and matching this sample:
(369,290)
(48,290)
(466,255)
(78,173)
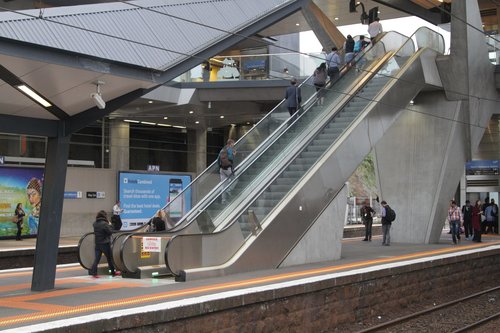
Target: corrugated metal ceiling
(147,33)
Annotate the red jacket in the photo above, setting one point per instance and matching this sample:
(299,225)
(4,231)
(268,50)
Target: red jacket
(476,217)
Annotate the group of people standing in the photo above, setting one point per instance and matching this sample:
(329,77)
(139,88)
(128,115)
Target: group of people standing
(477,220)
(368,213)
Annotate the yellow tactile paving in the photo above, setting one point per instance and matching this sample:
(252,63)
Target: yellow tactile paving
(54,312)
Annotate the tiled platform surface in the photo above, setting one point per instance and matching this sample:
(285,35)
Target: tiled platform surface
(80,303)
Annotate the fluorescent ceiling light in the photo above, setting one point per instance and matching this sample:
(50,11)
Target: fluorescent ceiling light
(29,92)
(221,117)
(150,102)
(165,118)
(183,127)
(131,121)
(191,112)
(147,123)
(197,122)
(164,125)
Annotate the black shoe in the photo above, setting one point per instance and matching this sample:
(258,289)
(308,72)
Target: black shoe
(365,240)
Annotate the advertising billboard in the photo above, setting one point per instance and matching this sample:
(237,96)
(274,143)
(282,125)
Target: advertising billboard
(20,186)
(141,195)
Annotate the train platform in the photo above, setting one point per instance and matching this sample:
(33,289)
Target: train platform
(81,303)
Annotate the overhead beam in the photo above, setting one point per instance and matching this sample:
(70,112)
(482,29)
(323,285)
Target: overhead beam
(28,126)
(412,9)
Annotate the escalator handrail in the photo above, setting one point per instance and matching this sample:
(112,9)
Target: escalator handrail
(235,220)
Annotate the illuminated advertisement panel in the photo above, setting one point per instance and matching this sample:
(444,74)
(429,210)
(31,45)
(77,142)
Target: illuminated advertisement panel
(141,195)
(23,187)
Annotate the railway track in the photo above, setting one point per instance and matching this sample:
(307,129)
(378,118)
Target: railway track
(466,314)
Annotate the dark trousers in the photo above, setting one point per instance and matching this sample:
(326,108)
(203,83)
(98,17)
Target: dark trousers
(99,250)
(368,229)
(292,110)
(477,235)
(468,228)
(19,230)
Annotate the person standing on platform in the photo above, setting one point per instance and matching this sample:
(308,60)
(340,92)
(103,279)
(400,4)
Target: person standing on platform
(455,218)
(116,220)
(367,219)
(489,213)
(467,214)
(374,29)
(476,221)
(19,220)
(494,212)
(102,237)
(484,224)
(293,97)
(386,224)
(334,63)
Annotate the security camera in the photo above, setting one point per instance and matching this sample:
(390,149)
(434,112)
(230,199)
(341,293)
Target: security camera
(99,102)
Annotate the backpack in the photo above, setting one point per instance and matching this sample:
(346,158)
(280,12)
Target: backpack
(357,46)
(224,161)
(390,214)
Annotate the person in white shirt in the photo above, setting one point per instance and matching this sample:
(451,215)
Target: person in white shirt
(116,220)
(334,63)
(374,29)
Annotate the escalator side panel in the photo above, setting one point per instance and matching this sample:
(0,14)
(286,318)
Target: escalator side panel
(289,221)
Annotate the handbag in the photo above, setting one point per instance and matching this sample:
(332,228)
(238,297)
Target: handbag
(14,219)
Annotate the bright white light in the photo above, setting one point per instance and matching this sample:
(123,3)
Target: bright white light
(150,102)
(147,123)
(197,122)
(131,121)
(221,117)
(183,127)
(164,125)
(191,112)
(165,118)
(27,91)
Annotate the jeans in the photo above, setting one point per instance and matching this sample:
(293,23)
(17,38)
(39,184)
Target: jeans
(455,230)
(99,250)
(386,232)
(225,174)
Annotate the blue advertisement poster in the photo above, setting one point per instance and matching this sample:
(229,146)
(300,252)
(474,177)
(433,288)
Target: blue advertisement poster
(482,167)
(141,195)
(20,186)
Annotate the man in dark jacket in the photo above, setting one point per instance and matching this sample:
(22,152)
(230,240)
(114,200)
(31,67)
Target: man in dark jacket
(102,235)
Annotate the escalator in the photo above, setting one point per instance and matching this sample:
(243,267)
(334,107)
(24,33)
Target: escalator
(209,219)
(298,189)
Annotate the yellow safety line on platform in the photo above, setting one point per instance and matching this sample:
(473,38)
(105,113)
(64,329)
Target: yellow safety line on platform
(220,287)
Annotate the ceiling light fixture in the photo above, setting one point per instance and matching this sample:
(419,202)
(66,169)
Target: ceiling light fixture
(164,125)
(182,127)
(221,117)
(197,122)
(165,118)
(97,97)
(131,121)
(191,112)
(336,19)
(150,102)
(297,24)
(33,95)
(147,123)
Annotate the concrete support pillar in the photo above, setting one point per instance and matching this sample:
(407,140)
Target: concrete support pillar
(324,29)
(197,150)
(323,241)
(49,228)
(420,160)
(119,145)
